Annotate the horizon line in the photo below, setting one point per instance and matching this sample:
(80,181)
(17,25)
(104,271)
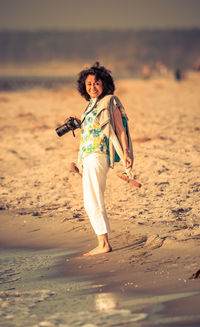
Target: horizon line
(146,29)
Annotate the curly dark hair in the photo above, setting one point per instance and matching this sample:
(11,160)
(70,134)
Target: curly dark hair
(100,73)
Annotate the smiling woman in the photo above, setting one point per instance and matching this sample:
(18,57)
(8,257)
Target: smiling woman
(93,88)
(102,117)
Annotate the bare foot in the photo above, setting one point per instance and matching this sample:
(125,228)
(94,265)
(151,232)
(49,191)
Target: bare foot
(98,250)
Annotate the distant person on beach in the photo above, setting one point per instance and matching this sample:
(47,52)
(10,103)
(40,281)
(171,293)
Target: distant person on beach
(178,74)
(101,121)
(146,72)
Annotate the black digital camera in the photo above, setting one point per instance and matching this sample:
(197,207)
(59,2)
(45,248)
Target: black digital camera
(70,124)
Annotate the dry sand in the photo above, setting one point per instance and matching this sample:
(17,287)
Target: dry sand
(155,229)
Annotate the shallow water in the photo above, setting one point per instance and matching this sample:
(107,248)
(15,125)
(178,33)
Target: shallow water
(32,294)
(14,83)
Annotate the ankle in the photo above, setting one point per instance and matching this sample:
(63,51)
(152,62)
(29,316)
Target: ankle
(104,244)
(103,241)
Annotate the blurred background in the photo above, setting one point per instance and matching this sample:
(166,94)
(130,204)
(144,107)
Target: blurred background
(48,42)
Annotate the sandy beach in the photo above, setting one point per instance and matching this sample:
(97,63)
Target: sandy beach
(155,229)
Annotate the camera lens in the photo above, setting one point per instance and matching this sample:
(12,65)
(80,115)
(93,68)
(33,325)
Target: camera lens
(62,130)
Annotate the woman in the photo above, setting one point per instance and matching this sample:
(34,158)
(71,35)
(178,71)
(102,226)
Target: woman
(101,122)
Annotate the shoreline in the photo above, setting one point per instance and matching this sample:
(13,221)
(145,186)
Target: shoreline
(152,288)
(142,266)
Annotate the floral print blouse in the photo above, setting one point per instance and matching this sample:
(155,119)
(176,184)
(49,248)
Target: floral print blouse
(91,137)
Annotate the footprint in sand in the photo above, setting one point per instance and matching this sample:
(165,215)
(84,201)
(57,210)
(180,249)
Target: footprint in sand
(154,242)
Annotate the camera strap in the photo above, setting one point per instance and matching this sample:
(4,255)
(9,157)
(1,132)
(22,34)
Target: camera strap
(93,106)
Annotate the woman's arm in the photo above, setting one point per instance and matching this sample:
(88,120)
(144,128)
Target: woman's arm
(119,128)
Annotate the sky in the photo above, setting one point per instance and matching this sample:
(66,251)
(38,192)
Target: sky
(98,14)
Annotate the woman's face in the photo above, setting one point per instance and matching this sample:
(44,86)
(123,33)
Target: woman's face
(93,88)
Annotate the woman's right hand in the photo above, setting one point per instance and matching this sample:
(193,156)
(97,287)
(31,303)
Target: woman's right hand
(78,121)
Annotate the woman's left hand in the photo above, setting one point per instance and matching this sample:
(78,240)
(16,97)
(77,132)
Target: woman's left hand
(127,159)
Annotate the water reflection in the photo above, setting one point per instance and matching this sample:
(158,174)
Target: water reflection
(106,302)
(141,309)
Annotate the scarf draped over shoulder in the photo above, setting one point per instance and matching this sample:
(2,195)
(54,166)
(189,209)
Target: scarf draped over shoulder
(106,107)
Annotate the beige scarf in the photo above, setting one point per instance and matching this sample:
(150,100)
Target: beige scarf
(106,107)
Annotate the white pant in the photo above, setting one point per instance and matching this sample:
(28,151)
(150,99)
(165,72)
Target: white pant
(95,170)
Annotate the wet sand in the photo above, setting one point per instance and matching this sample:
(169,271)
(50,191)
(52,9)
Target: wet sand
(155,229)
(46,282)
